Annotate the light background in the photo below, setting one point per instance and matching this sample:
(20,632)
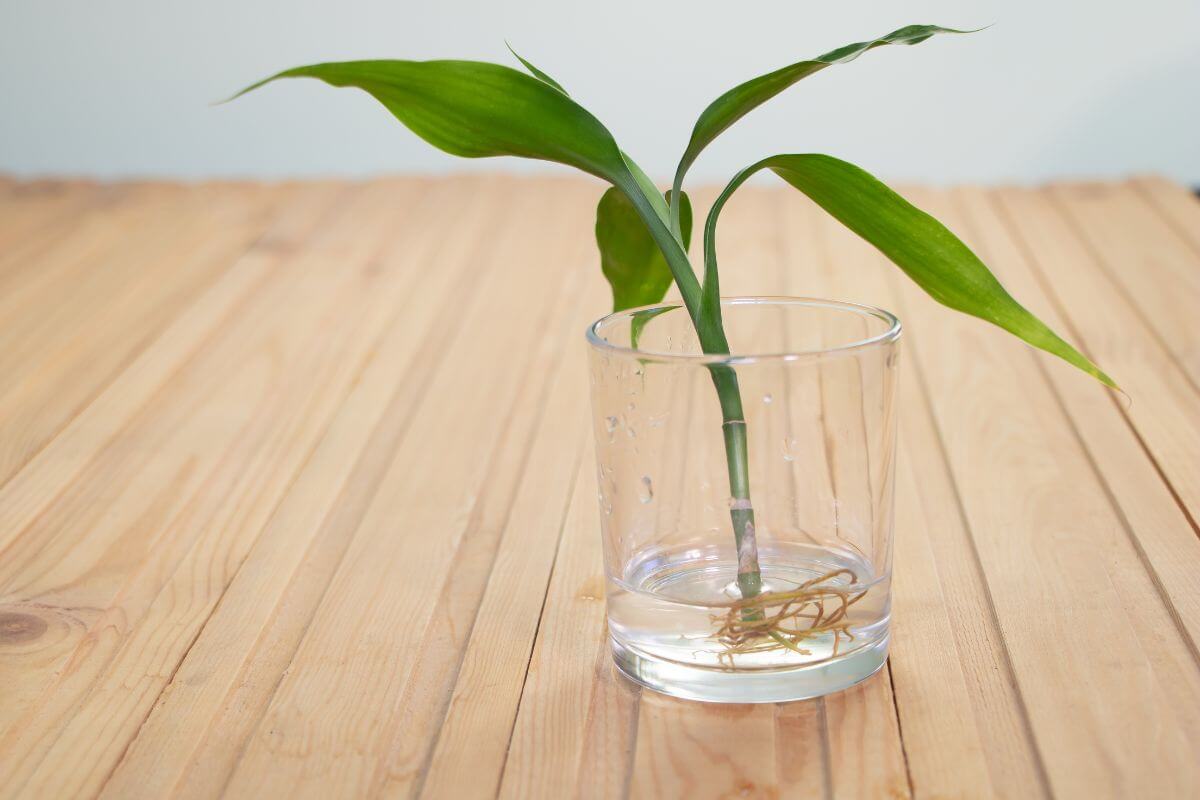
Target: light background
(1055,88)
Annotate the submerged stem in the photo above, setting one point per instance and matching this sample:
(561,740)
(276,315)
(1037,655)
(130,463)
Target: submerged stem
(737,459)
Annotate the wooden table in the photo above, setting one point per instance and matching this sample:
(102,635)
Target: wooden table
(296,499)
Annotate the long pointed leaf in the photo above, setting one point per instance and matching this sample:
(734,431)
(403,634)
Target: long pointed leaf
(744,98)
(922,247)
(632,262)
(475,110)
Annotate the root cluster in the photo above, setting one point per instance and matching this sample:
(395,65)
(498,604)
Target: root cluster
(784,620)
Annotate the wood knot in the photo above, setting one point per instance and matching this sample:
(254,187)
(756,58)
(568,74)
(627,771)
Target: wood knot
(16,628)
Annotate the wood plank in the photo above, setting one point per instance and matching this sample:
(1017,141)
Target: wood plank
(28,206)
(70,598)
(546,747)
(65,338)
(1146,257)
(1178,205)
(36,215)
(270,418)
(689,750)
(1164,408)
(610,733)
(938,595)
(34,527)
(224,684)
(803,766)
(427,693)
(865,755)
(396,576)
(955,728)
(483,705)
(1048,538)
(114,221)
(34,490)
(866,713)
(802,736)
(28,494)
(1047,260)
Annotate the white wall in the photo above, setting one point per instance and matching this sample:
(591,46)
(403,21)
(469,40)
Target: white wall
(1055,88)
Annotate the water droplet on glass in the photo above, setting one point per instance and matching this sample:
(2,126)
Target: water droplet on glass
(768,399)
(789,449)
(657,422)
(610,424)
(645,490)
(631,432)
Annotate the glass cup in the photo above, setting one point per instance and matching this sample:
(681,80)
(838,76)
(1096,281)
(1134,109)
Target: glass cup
(817,381)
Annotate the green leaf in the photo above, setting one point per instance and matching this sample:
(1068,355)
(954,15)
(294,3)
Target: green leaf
(632,261)
(641,319)
(917,243)
(744,98)
(476,110)
(534,71)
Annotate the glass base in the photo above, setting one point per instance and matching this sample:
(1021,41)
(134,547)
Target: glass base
(750,686)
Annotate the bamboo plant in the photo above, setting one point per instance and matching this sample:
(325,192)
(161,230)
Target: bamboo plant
(476,109)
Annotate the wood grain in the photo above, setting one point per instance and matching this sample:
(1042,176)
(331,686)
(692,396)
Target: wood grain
(297,499)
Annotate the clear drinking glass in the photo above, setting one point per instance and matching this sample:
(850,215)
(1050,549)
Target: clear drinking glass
(818,386)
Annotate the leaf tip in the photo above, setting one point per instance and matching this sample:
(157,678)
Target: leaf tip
(243,91)
(971,30)
(1087,365)
(1128,401)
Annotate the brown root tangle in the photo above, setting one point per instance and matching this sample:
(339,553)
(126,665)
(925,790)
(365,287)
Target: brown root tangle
(784,620)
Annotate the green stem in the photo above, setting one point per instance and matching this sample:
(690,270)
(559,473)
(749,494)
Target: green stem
(711,332)
(741,512)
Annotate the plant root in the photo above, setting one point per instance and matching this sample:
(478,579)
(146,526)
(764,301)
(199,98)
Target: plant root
(784,620)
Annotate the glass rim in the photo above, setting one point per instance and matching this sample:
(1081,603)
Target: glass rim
(887,336)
